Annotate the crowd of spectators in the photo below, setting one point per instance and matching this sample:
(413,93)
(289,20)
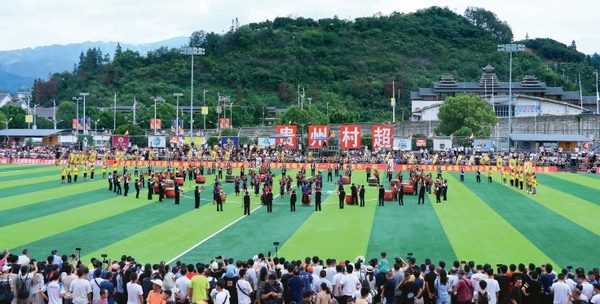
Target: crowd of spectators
(449,156)
(276,280)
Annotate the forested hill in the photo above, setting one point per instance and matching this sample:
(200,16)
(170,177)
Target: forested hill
(346,65)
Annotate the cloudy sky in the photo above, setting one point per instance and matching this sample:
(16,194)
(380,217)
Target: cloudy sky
(31,23)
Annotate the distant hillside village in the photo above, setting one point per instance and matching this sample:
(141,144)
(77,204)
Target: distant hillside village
(19,99)
(531,97)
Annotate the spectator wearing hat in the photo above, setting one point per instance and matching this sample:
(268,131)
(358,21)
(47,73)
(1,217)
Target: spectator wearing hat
(155,296)
(306,275)
(221,296)
(5,278)
(230,280)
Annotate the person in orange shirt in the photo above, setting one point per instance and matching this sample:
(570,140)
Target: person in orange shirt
(155,296)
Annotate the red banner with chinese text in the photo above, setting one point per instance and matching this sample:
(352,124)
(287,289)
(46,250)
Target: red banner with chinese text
(350,137)
(317,135)
(382,137)
(286,136)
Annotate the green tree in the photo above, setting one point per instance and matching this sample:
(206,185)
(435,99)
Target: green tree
(490,23)
(65,113)
(466,114)
(310,115)
(137,135)
(3,121)
(17,114)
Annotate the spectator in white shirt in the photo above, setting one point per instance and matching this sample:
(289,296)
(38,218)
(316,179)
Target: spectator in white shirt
(493,288)
(24,258)
(244,290)
(596,298)
(55,290)
(81,289)
(587,288)
(222,295)
(561,290)
(183,284)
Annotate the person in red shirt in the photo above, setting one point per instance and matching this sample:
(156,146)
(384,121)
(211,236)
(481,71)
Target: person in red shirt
(191,271)
(464,288)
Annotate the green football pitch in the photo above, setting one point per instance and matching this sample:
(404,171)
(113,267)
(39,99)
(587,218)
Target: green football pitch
(479,222)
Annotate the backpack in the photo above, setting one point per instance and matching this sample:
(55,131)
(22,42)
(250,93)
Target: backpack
(212,283)
(364,282)
(23,291)
(482,298)
(5,293)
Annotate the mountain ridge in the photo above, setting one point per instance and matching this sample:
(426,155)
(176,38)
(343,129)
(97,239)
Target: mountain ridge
(19,67)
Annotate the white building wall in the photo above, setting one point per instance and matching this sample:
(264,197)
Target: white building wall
(544,107)
(524,107)
(418,105)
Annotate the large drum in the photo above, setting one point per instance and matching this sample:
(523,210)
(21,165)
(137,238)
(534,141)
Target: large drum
(373,182)
(170,192)
(388,196)
(179,181)
(229,178)
(409,188)
(200,179)
(345,180)
(349,199)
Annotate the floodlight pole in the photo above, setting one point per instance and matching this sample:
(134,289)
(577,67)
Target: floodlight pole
(157,98)
(510,48)
(177,95)
(84,122)
(190,50)
(6,122)
(54,113)
(77,99)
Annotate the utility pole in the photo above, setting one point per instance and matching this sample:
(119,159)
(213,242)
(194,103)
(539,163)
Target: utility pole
(597,95)
(204,114)
(134,104)
(115,112)
(77,99)
(190,50)
(510,48)
(84,120)
(580,93)
(177,95)
(54,114)
(393,101)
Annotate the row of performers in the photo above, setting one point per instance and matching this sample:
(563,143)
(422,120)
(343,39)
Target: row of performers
(305,184)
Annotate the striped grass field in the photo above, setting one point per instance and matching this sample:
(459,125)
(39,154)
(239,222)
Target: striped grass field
(480,222)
